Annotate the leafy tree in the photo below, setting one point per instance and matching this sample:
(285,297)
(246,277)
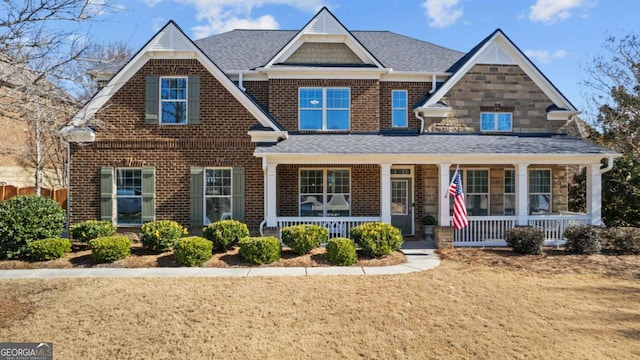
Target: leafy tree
(615,79)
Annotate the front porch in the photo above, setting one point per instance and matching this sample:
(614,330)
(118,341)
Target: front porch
(481,231)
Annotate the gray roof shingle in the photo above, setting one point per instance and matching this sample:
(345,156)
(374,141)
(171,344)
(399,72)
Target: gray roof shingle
(250,49)
(432,144)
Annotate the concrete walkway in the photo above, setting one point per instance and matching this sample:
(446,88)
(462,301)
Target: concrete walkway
(420,256)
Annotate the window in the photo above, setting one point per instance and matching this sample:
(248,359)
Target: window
(539,191)
(399,108)
(173,100)
(217,195)
(325,192)
(129,196)
(476,191)
(324,108)
(495,121)
(509,192)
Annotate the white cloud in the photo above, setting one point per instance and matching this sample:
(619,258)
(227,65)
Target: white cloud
(550,11)
(442,13)
(224,15)
(158,23)
(544,56)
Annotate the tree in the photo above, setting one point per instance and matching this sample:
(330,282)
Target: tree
(38,41)
(615,77)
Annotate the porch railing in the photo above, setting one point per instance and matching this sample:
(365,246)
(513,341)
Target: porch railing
(338,226)
(489,230)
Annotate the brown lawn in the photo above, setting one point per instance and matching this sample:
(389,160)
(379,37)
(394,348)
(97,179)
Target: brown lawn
(140,257)
(473,306)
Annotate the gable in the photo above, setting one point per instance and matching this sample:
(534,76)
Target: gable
(169,43)
(498,49)
(324,28)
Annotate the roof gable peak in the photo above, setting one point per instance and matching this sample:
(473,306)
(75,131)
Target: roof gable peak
(324,27)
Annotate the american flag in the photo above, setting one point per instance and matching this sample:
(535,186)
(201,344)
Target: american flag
(459,207)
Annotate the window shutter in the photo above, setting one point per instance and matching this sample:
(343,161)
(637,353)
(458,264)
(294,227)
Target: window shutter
(106,194)
(197,206)
(193,101)
(148,194)
(152,105)
(237,206)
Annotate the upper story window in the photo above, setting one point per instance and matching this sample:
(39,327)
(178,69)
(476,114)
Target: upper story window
(496,121)
(173,100)
(324,108)
(398,108)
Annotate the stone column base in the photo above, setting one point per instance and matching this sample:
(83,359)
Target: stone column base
(271,231)
(444,237)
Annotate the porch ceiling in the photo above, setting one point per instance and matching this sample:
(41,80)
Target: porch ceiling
(434,145)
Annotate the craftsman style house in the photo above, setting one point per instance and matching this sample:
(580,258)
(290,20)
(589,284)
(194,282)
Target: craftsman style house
(329,126)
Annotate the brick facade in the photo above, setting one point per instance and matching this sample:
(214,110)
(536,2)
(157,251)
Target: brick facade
(507,85)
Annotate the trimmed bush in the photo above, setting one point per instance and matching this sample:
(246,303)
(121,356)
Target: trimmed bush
(625,240)
(24,219)
(304,238)
(109,248)
(91,229)
(377,239)
(161,235)
(225,234)
(49,249)
(193,251)
(341,251)
(260,250)
(525,239)
(582,239)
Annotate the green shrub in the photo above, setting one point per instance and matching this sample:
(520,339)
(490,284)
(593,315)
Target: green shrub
(161,235)
(304,238)
(91,229)
(525,239)
(225,234)
(377,239)
(582,239)
(193,251)
(260,250)
(341,251)
(625,240)
(109,248)
(24,219)
(49,249)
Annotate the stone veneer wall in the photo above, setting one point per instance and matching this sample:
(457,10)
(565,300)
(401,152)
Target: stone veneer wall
(507,85)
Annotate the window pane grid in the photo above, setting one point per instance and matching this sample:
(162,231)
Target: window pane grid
(325,192)
(496,121)
(539,191)
(509,192)
(173,100)
(399,108)
(129,196)
(218,193)
(476,183)
(324,108)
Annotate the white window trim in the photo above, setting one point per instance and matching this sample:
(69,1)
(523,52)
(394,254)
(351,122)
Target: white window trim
(325,193)
(186,100)
(116,196)
(205,196)
(550,193)
(324,108)
(406,105)
(495,121)
(465,184)
(505,193)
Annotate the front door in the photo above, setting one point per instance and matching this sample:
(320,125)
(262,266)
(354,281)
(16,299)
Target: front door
(401,205)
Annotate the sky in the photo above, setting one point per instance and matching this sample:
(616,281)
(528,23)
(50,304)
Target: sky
(561,37)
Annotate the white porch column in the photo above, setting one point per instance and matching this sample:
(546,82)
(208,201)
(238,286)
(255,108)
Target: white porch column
(385,193)
(444,219)
(522,193)
(594,193)
(270,195)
